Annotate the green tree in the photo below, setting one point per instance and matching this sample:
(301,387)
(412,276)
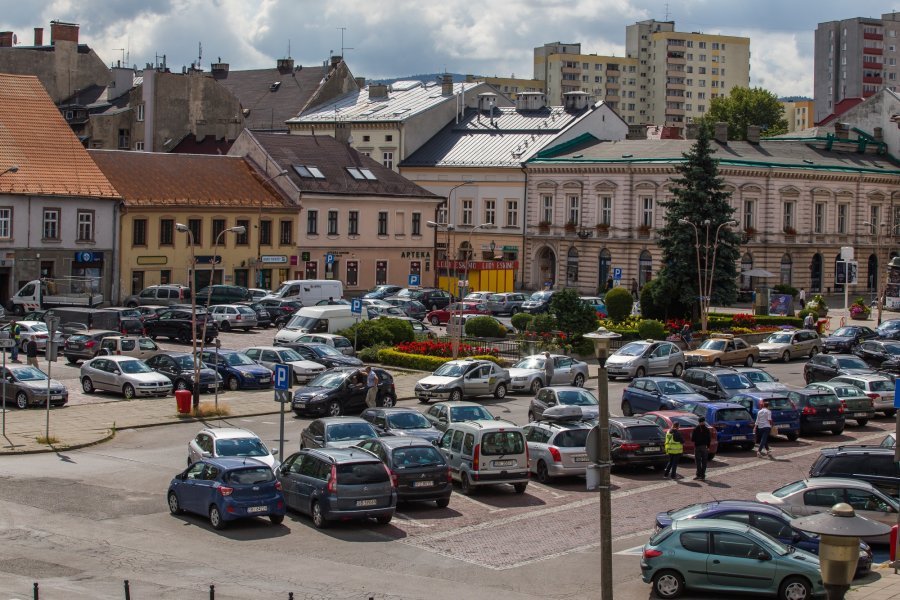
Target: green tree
(618,304)
(699,198)
(573,315)
(747,106)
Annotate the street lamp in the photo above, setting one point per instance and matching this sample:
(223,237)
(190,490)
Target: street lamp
(467,259)
(12,169)
(448,227)
(598,474)
(875,232)
(705,275)
(259,230)
(196,391)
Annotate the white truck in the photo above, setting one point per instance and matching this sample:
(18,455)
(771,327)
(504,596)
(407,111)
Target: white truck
(61,291)
(309,291)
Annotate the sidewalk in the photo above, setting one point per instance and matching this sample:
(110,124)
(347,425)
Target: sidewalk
(880,584)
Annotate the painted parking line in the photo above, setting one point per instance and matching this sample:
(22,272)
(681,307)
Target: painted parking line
(636,551)
(409,520)
(539,487)
(471,500)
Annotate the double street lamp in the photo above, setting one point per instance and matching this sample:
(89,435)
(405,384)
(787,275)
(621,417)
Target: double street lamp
(448,227)
(459,329)
(706,273)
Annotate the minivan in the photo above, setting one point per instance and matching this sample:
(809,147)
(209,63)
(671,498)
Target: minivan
(222,294)
(507,303)
(486,453)
(308,291)
(160,295)
(317,319)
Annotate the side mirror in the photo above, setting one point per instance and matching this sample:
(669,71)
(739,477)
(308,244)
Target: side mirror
(319,439)
(117,372)
(442,419)
(436,442)
(205,454)
(275,452)
(763,556)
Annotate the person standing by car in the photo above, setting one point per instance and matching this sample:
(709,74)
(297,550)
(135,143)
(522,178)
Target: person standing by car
(701,438)
(674,445)
(548,369)
(371,387)
(15,333)
(31,353)
(762,428)
(809,322)
(634,289)
(686,335)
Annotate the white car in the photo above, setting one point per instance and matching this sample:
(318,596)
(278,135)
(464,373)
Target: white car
(528,374)
(338,342)
(215,442)
(28,330)
(269,356)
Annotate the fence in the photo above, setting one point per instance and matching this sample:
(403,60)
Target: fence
(36,593)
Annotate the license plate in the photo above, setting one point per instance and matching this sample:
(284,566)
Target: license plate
(264,380)
(371,502)
(651,449)
(829,422)
(301,404)
(859,414)
(56,397)
(257,509)
(581,458)
(740,437)
(503,463)
(423,484)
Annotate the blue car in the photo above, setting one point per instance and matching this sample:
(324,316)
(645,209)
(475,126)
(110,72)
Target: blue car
(239,371)
(646,394)
(765,517)
(785,416)
(226,489)
(733,422)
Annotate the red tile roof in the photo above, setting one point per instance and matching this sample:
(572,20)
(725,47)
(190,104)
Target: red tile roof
(158,179)
(35,137)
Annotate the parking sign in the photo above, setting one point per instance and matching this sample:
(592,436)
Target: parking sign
(413,280)
(282,377)
(356,306)
(617,273)
(329,259)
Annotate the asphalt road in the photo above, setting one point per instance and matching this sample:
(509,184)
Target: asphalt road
(82,521)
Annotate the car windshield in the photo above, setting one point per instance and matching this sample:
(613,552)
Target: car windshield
(572,438)
(289,355)
(844,332)
(851,362)
(776,545)
(881,385)
(779,338)
(735,382)
(496,298)
(253,476)
(848,391)
(733,414)
(718,345)
(824,400)
(184,361)
(686,420)
(241,447)
(891,348)
(238,359)
(338,343)
(133,367)
(416,456)
(539,296)
(350,431)
(533,362)
(450,370)
(576,398)
(673,387)
(644,432)
(780,403)
(408,420)
(323,350)
(301,322)
(633,349)
(495,443)
(789,489)
(758,376)
(29,374)
(328,379)
(470,413)
(362,473)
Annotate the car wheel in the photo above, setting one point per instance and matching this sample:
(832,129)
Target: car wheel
(442,502)
(385,520)
(749,361)
(276,519)
(184,337)
(786,357)
(543,474)
(794,588)
(626,409)
(215,518)
(520,487)
(792,436)
(181,384)
(668,584)
(389,401)
(128,391)
(890,413)
(717,363)
(132,305)
(746,446)
(500,391)
(579,380)
(640,372)
(837,431)
(464,486)
(813,351)
(678,370)
(536,386)
(233,383)
(807,377)
(21,400)
(456,395)
(435,321)
(71,360)
(424,400)
(87,385)
(174,506)
(225,326)
(318,517)
(334,408)
(514,311)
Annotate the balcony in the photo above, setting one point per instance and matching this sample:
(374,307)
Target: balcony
(613,72)
(574,70)
(674,112)
(676,60)
(611,97)
(674,86)
(875,51)
(674,98)
(675,73)
(868,93)
(872,36)
(612,85)
(872,80)
(872,65)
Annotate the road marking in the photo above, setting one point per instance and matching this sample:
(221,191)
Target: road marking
(491,509)
(410,520)
(269,423)
(636,551)
(548,490)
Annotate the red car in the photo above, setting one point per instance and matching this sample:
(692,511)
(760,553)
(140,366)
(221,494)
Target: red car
(687,421)
(442,315)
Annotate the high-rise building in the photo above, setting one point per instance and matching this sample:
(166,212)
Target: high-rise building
(798,113)
(854,58)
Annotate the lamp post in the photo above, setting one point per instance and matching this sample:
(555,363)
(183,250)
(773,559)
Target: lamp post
(12,169)
(448,227)
(876,232)
(840,529)
(598,447)
(196,391)
(259,230)
(456,340)
(705,273)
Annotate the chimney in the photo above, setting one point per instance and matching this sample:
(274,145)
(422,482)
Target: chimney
(285,65)
(531,101)
(575,101)
(378,91)
(720,133)
(336,60)
(63,32)
(342,132)
(38,36)
(878,134)
(691,130)
(360,82)
(753,133)
(841,130)
(446,85)
(219,68)
(6,39)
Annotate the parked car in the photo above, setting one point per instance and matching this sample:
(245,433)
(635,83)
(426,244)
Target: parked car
(252,491)
(556,448)
(419,328)
(478,297)
(175,324)
(230,442)
(464,378)
(258,293)
(332,302)
(85,345)
(637,442)
(857,405)
(338,342)
(149,312)
(761,379)
(597,303)
(269,356)
(506,303)
(127,321)
(442,414)
(880,354)
(529,375)
(126,345)
(717,383)
(338,484)
(878,387)
(239,371)
(28,330)
(486,453)
(432,298)
(733,422)
(645,394)
(820,410)
(336,432)
(829,366)
(563,396)
(280,311)
(442,315)
(160,295)
(263,318)
(785,416)
(818,494)
(872,464)
(124,375)
(411,308)
(538,302)
(889,330)
(646,357)
(381,292)
(374,312)
(324,355)
(403,422)
(222,294)
(845,339)
(27,386)
(179,368)
(686,422)
(418,470)
(233,316)
(722,349)
(341,391)
(784,345)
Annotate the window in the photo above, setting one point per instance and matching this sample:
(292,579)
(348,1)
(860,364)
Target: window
(139,146)
(51,224)
(352,273)
(786,268)
(312,222)
(875,217)
(265,232)
(573,202)
(124,139)
(353,223)
(732,544)
(85,225)
(512,213)
(332,222)
(242,239)
(547,208)
(490,211)
(843,210)
(218,226)
(166,232)
(748,213)
(138,231)
(382,223)
(606,210)
(467,212)
(819,218)
(417,223)
(647,211)
(695,541)
(309,172)
(140,113)
(387,159)
(788,215)
(5,223)
(286,233)
(389,138)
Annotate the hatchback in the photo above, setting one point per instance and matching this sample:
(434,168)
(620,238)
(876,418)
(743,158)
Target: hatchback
(465,378)
(880,354)
(878,387)
(442,414)
(401,422)
(733,422)
(28,386)
(418,470)
(644,394)
(229,442)
(411,308)
(263,317)
(336,432)
(556,448)
(717,383)
(432,298)
(269,356)
(529,375)
(442,315)
(857,405)
(338,342)
(338,484)
(563,395)
(323,354)
(226,489)
(828,366)
(889,330)
(239,371)
(341,391)
(181,370)
(538,302)
(128,376)
(379,292)
(647,357)
(785,416)
(686,421)
(761,379)
(820,410)
(85,345)
(637,442)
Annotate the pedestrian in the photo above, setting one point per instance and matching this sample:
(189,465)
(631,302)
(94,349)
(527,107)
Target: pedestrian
(31,353)
(802,297)
(548,369)
(686,335)
(15,333)
(674,448)
(371,387)
(609,284)
(762,428)
(634,289)
(701,438)
(809,321)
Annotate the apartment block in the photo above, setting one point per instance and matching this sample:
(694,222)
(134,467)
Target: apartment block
(510,86)
(798,114)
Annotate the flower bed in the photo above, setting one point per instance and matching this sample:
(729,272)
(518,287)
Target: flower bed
(444,349)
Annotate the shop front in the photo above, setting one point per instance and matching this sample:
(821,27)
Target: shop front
(462,277)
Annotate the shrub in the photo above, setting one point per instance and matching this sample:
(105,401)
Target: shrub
(618,304)
(783,288)
(521,321)
(485,327)
(392,357)
(573,315)
(401,331)
(379,331)
(369,354)
(651,329)
(745,320)
(543,323)
(583,346)
(649,307)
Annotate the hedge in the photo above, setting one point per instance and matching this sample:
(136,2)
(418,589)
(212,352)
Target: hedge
(420,362)
(724,320)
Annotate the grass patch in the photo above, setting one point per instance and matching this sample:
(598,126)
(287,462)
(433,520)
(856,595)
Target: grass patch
(209,409)
(51,440)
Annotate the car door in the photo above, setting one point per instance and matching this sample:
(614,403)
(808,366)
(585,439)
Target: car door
(640,396)
(871,506)
(196,447)
(476,381)
(545,399)
(146,348)
(287,475)
(104,376)
(451,445)
(735,562)
(307,481)
(825,367)
(562,370)
(658,359)
(696,555)
(269,358)
(817,500)
(188,491)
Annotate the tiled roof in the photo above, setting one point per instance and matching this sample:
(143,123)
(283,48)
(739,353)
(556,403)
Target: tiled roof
(270,109)
(35,137)
(159,179)
(333,158)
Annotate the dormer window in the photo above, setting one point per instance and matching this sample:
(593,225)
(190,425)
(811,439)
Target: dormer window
(309,172)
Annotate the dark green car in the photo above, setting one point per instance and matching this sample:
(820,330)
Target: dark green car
(857,406)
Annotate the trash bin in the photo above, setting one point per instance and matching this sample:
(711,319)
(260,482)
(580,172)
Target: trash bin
(893,552)
(184,399)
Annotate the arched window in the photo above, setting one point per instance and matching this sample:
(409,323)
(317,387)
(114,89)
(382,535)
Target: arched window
(572,267)
(645,268)
(786,269)
(605,268)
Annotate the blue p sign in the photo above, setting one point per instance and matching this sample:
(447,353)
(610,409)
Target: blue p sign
(413,280)
(896,395)
(617,273)
(356,306)
(329,259)
(282,377)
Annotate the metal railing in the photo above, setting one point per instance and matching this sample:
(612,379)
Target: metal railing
(36,593)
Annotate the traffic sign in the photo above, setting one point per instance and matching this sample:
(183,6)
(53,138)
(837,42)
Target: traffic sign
(7,343)
(897,393)
(413,280)
(329,259)
(283,396)
(356,306)
(282,377)
(617,273)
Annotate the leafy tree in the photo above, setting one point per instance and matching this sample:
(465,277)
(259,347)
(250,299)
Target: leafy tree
(660,301)
(747,106)
(573,315)
(618,304)
(484,327)
(698,196)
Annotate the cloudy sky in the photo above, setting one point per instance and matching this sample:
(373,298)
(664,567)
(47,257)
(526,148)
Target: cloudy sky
(391,38)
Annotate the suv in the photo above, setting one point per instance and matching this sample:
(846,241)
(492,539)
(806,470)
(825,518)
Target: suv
(161,295)
(635,441)
(508,303)
(485,453)
(874,464)
(223,294)
(175,324)
(233,316)
(717,383)
(556,448)
(432,298)
(465,378)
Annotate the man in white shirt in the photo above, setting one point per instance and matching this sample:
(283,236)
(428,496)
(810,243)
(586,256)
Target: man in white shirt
(762,428)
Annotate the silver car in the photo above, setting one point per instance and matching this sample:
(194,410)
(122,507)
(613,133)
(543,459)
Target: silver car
(564,396)
(444,414)
(507,303)
(785,345)
(556,449)
(878,387)
(269,356)
(528,374)
(233,316)
(125,375)
(27,386)
(220,442)
(646,357)
(466,378)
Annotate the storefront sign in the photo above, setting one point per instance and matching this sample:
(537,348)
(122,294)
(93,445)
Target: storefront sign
(208,259)
(152,260)
(477,265)
(415,254)
(274,259)
(88,257)
(510,248)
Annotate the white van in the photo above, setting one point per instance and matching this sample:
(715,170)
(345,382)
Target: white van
(317,319)
(309,291)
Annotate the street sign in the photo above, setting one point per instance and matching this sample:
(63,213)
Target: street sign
(590,445)
(897,393)
(617,273)
(283,396)
(356,306)
(413,280)
(7,343)
(329,259)
(282,377)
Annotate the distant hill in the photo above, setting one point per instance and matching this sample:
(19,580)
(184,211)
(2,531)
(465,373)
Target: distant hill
(793,99)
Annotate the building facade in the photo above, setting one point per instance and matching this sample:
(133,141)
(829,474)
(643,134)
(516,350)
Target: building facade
(510,86)
(798,114)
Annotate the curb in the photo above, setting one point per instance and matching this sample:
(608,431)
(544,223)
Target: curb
(110,434)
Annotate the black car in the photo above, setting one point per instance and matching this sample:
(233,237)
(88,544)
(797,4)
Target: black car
(889,330)
(538,302)
(820,410)
(874,464)
(324,354)
(175,324)
(280,311)
(85,345)
(846,338)
(222,294)
(418,470)
(823,367)
(880,354)
(404,422)
(341,391)
(179,368)
(432,298)
(263,317)
(636,442)
(717,383)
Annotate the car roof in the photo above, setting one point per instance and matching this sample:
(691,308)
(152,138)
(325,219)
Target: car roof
(334,420)
(719,524)
(844,482)
(745,505)
(392,410)
(764,395)
(93,332)
(857,449)
(673,413)
(228,432)
(866,376)
(713,370)
(566,388)
(483,424)
(174,353)
(722,405)
(230,463)
(268,348)
(398,441)
(632,421)
(553,424)
(455,403)
(117,358)
(345,455)
(656,379)
(809,391)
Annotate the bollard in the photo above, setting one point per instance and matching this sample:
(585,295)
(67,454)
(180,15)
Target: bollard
(127,591)
(212,592)
(37,594)
(290,595)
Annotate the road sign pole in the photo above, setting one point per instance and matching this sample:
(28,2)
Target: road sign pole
(284,377)
(4,392)
(281,434)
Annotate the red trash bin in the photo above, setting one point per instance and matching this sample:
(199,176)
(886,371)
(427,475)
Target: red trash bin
(184,398)
(894,543)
